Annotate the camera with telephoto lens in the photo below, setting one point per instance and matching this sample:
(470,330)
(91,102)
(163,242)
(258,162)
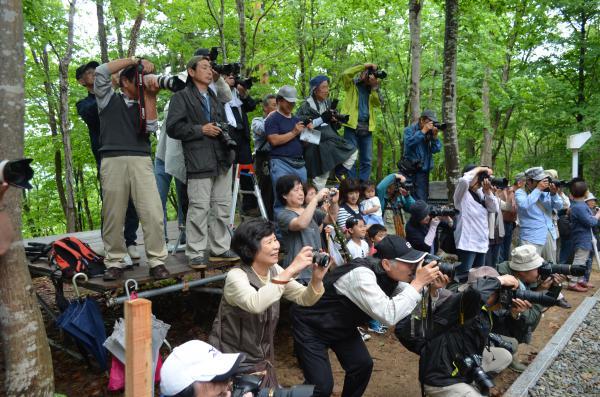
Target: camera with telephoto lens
(442,211)
(559,183)
(497,341)
(380,74)
(440,126)
(171,83)
(342,118)
(403,185)
(320,258)
(470,368)
(224,135)
(499,183)
(17,173)
(449,269)
(548,268)
(507,295)
(243,384)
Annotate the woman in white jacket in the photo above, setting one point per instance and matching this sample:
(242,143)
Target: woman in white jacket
(474,199)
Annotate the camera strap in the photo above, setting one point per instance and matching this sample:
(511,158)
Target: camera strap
(139,81)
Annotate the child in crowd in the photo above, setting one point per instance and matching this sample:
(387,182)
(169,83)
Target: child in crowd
(357,245)
(582,222)
(375,234)
(349,195)
(370,206)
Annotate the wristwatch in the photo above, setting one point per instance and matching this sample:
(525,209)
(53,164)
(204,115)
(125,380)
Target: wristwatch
(516,316)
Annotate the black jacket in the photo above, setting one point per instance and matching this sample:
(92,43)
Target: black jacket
(205,156)
(447,339)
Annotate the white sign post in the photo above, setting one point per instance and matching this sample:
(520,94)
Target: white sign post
(575,142)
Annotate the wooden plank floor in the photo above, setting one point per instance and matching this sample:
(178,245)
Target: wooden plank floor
(176,264)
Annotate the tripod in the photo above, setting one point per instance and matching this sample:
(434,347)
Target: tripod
(246,170)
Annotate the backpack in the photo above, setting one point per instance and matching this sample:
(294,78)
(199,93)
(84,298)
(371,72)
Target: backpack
(71,256)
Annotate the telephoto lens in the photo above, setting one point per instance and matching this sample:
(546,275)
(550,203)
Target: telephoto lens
(449,269)
(548,268)
(17,173)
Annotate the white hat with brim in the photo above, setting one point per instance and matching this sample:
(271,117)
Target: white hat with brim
(590,196)
(196,361)
(525,258)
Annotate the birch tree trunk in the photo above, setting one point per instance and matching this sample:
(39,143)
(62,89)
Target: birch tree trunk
(102,31)
(451,151)
(63,76)
(486,147)
(414,21)
(135,29)
(27,360)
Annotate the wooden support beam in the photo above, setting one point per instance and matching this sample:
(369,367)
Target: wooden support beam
(138,348)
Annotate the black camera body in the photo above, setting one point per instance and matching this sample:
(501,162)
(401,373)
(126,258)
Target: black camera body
(409,167)
(497,341)
(403,185)
(449,269)
(17,173)
(321,258)
(506,296)
(380,74)
(224,136)
(243,384)
(442,211)
(342,118)
(470,367)
(549,268)
(497,182)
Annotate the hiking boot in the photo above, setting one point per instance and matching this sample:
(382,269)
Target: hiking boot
(159,272)
(198,263)
(562,302)
(133,253)
(227,256)
(577,288)
(517,366)
(112,274)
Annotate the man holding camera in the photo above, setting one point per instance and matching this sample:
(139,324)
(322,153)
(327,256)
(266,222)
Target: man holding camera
(354,293)
(420,143)
(453,336)
(362,98)
(126,169)
(87,109)
(535,203)
(421,228)
(197,118)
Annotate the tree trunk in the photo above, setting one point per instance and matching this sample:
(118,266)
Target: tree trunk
(451,151)
(220,21)
(63,76)
(379,160)
(27,360)
(240,6)
(486,147)
(414,21)
(301,47)
(135,29)
(102,31)
(581,66)
(119,33)
(86,204)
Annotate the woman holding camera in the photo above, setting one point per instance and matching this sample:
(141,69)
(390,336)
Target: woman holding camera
(333,150)
(249,311)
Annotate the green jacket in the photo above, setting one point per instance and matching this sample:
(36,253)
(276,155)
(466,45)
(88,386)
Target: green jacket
(350,105)
(529,319)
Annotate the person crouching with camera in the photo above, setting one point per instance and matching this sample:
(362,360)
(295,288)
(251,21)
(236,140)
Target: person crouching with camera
(196,369)
(197,118)
(249,310)
(362,289)
(453,339)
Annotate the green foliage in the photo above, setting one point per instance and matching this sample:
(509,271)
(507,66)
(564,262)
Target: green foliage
(531,48)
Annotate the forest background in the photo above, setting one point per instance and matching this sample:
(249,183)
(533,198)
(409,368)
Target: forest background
(527,77)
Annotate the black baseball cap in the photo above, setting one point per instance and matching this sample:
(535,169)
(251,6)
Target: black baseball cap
(430,114)
(83,68)
(397,248)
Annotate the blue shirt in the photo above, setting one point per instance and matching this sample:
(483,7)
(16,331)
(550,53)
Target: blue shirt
(403,202)
(364,93)
(535,223)
(417,148)
(582,222)
(277,123)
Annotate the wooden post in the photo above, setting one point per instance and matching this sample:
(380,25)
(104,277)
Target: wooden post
(138,348)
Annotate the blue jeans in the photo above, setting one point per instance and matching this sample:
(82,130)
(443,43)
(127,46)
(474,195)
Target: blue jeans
(507,241)
(566,250)
(468,259)
(280,168)
(420,189)
(364,144)
(163,181)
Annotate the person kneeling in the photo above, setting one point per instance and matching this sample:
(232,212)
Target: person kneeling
(249,311)
(362,289)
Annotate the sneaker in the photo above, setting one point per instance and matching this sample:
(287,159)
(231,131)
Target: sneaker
(562,302)
(577,288)
(112,274)
(377,327)
(227,256)
(365,336)
(159,272)
(133,253)
(517,366)
(198,263)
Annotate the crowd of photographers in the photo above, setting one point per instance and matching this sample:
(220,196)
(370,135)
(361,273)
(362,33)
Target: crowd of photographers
(341,269)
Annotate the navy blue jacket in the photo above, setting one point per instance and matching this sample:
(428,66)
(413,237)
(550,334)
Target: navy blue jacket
(417,148)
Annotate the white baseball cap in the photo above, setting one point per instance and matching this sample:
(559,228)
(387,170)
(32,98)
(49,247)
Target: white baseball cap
(196,361)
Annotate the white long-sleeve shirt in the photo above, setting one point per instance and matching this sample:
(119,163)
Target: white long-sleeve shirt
(360,286)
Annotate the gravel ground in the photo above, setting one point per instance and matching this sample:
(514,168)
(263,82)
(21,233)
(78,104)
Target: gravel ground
(576,370)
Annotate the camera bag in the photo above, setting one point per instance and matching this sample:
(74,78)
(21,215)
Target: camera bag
(71,256)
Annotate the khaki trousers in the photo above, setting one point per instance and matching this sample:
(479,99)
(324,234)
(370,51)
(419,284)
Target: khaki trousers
(546,251)
(121,177)
(494,360)
(208,197)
